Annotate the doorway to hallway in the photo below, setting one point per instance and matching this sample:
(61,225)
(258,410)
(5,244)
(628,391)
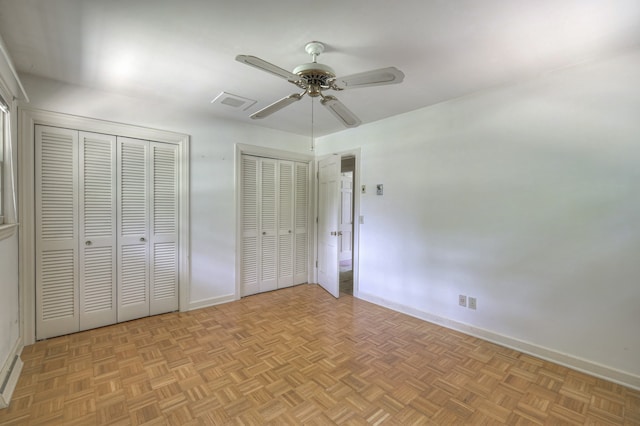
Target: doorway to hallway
(345,254)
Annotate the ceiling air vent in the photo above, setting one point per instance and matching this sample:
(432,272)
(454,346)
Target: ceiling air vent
(233,101)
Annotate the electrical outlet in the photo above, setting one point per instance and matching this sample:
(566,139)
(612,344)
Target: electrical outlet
(363,189)
(472,303)
(462,300)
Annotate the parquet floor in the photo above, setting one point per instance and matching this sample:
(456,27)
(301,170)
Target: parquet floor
(298,356)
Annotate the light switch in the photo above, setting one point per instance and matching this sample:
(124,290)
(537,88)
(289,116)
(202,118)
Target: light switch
(361,220)
(363,190)
(379,189)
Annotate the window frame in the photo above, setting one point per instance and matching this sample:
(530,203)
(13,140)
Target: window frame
(8,223)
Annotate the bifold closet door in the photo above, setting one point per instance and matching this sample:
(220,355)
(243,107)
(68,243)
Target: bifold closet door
(133,229)
(97,246)
(268,225)
(286,229)
(57,259)
(163,242)
(301,242)
(147,228)
(274,214)
(75,231)
(249,238)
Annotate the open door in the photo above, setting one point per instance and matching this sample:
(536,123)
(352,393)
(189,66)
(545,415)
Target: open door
(328,222)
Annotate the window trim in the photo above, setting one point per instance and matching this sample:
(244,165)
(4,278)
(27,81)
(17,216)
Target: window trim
(8,225)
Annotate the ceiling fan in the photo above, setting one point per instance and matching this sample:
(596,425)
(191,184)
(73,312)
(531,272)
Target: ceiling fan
(316,78)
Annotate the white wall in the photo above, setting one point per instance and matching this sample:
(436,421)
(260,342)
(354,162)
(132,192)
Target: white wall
(9,313)
(525,197)
(213,142)
(10,331)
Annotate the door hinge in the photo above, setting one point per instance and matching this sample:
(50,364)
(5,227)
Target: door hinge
(316,263)
(316,219)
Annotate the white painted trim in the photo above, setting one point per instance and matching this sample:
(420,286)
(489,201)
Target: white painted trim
(258,151)
(579,364)
(10,373)
(28,118)
(7,230)
(212,301)
(278,154)
(9,75)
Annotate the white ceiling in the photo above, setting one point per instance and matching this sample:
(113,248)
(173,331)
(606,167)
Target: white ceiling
(183,50)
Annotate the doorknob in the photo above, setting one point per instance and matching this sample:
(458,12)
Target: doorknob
(339,232)
(334,233)
(142,239)
(87,243)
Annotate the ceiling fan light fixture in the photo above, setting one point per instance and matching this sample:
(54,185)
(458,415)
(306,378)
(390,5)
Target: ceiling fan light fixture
(314,67)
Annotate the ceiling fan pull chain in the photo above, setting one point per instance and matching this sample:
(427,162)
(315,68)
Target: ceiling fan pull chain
(312,140)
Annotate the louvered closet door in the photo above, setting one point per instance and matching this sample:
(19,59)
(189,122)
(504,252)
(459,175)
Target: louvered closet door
(249,262)
(163,240)
(285,223)
(133,226)
(268,225)
(56,206)
(301,242)
(97,245)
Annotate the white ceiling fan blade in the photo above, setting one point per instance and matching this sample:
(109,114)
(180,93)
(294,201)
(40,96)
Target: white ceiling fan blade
(268,67)
(341,112)
(379,77)
(276,106)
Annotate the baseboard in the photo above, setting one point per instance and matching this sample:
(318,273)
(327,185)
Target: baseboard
(10,374)
(205,303)
(570,361)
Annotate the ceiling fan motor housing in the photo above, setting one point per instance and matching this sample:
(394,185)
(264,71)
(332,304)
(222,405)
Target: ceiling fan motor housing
(316,76)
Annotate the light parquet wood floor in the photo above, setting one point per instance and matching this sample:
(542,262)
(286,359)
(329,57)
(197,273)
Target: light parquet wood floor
(298,356)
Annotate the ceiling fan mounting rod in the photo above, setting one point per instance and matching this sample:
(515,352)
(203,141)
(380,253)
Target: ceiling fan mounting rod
(314,48)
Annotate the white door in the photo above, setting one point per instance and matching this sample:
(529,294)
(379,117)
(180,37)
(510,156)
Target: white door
(97,244)
(249,262)
(163,228)
(133,225)
(285,223)
(346,216)
(328,199)
(274,216)
(56,205)
(268,226)
(301,246)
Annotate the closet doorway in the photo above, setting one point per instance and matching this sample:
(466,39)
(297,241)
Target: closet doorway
(274,219)
(93,254)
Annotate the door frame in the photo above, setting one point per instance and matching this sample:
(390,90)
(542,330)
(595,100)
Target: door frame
(356,153)
(277,154)
(28,119)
